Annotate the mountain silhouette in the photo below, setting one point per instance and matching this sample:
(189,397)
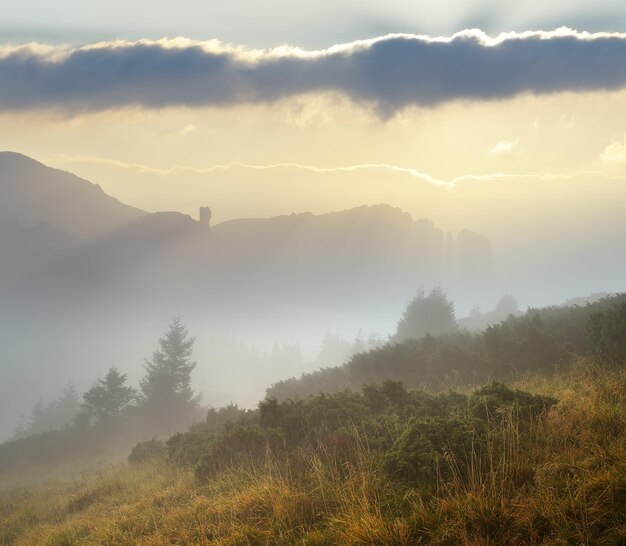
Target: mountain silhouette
(32,193)
(65,238)
(78,266)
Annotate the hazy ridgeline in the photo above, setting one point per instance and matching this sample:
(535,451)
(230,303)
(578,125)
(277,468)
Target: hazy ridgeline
(95,281)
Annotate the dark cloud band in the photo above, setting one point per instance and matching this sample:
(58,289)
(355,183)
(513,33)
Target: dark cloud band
(388,73)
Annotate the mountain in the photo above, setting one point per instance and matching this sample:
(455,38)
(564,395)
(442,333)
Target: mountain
(32,193)
(71,246)
(25,251)
(360,255)
(93,280)
(346,262)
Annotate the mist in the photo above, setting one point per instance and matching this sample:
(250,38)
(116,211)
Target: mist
(96,283)
(93,285)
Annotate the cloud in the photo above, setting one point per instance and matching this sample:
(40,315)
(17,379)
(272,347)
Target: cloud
(177,169)
(64,159)
(387,73)
(187,129)
(503,147)
(615,152)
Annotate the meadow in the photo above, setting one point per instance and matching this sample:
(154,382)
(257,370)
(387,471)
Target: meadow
(554,477)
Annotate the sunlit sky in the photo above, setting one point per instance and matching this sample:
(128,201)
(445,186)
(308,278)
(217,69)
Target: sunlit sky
(471,130)
(297,22)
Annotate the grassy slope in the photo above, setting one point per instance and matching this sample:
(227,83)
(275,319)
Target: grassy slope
(576,494)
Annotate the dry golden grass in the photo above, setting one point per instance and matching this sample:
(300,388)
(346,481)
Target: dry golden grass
(565,486)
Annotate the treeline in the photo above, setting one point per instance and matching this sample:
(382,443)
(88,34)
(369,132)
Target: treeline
(112,414)
(51,416)
(538,341)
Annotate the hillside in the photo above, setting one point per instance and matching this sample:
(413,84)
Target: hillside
(24,251)
(541,342)
(537,461)
(32,193)
(536,341)
(344,261)
(383,467)
(348,260)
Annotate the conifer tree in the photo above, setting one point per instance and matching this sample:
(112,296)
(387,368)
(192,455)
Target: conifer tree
(168,400)
(110,398)
(65,408)
(427,314)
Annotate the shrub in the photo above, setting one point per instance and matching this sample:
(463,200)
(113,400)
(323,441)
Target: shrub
(186,449)
(495,399)
(430,448)
(147,451)
(239,443)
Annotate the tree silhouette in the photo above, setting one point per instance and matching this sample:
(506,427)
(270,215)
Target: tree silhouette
(427,314)
(167,397)
(109,398)
(334,350)
(52,416)
(67,406)
(505,307)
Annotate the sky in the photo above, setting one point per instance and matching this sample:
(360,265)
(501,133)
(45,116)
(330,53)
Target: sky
(507,118)
(297,22)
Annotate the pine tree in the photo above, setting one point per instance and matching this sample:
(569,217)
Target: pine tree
(427,314)
(21,428)
(66,407)
(110,398)
(168,400)
(505,307)
(334,350)
(39,419)
(55,415)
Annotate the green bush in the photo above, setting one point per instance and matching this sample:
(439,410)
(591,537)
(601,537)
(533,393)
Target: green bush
(438,446)
(431,448)
(187,448)
(418,436)
(495,400)
(240,443)
(147,451)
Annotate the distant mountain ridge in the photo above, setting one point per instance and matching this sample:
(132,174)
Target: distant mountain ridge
(31,193)
(337,258)
(86,275)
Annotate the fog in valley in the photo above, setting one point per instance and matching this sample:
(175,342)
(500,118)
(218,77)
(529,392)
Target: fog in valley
(88,282)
